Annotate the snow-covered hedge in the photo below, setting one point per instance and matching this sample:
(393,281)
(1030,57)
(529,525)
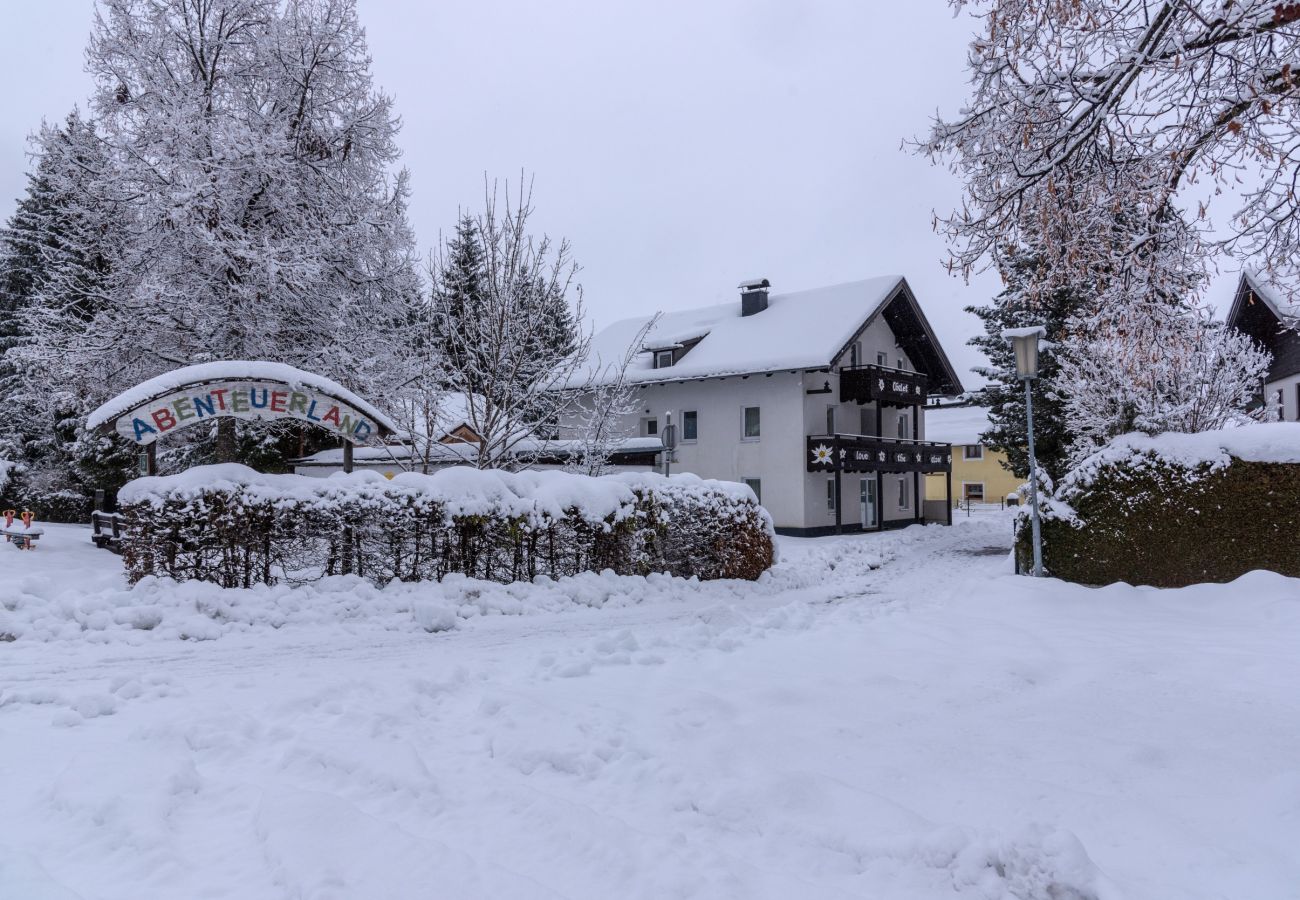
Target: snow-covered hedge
(1177,509)
(235,527)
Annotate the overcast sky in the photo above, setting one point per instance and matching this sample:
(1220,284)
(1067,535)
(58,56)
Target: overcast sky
(680,146)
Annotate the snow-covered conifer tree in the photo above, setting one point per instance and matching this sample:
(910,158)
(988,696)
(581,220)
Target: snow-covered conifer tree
(507,348)
(248,164)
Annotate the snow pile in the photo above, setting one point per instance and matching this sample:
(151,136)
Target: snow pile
(245,370)
(1208,451)
(234,526)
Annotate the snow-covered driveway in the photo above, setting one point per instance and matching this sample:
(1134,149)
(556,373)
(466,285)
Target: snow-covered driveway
(884,717)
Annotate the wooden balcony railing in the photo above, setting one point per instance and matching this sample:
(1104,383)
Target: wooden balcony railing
(864,453)
(880,384)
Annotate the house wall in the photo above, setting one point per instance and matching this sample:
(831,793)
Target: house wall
(795,498)
(1290,387)
(998,482)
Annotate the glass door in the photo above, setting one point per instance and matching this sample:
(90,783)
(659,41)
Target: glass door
(867,502)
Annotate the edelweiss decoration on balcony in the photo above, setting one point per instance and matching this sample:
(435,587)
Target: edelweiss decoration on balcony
(821,455)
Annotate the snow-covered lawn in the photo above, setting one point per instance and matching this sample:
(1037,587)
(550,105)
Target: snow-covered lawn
(883,717)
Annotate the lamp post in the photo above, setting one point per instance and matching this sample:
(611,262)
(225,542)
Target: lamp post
(1025,342)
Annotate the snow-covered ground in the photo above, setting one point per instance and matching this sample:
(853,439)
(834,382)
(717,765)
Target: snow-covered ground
(888,716)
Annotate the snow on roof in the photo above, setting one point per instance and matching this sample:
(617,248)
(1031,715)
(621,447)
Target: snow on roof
(230,370)
(454,454)
(1275,296)
(960,425)
(798,330)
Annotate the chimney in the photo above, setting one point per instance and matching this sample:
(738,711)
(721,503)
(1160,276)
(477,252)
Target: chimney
(753,296)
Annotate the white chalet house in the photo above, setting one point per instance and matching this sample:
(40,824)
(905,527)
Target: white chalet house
(815,399)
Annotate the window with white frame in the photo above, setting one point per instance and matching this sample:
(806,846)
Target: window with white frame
(751,428)
(663,359)
(902,363)
(903,430)
(882,359)
(690,425)
(972,491)
(972,451)
(649,427)
(904,493)
(855,353)
(1280,404)
(830,494)
(830,420)
(755,485)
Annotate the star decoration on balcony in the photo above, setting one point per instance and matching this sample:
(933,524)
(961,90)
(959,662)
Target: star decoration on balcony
(821,455)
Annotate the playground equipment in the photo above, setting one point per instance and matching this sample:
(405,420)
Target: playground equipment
(23,534)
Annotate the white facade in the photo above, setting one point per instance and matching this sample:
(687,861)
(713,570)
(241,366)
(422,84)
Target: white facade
(710,415)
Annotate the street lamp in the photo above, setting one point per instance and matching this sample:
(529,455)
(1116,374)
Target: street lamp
(1025,342)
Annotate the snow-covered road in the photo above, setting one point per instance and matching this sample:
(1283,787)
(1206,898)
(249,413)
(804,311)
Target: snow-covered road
(884,716)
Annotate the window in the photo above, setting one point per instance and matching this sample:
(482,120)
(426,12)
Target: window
(855,353)
(830,494)
(972,492)
(830,420)
(903,431)
(690,425)
(904,493)
(663,359)
(972,451)
(902,363)
(866,421)
(882,359)
(649,427)
(1281,405)
(751,430)
(755,485)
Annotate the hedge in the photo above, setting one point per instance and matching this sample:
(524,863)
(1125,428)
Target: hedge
(235,527)
(1147,518)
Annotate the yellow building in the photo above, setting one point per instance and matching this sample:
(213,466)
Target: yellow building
(977,472)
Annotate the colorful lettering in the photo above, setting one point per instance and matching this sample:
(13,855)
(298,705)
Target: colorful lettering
(310,412)
(278,399)
(220,394)
(297,402)
(164,419)
(332,415)
(358,433)
(141,428)
(239,401)
(183,411)
(346,425)
(205,407)
(252,398)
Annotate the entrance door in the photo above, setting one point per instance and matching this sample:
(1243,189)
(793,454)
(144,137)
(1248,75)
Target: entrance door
(867,502)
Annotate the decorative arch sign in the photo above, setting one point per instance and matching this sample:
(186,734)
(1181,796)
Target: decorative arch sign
(254,391)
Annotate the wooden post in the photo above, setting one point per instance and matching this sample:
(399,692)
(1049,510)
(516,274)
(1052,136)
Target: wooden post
(880,481)
(839,505)
(346,556)
(151,458)
(947,492)
(917,500)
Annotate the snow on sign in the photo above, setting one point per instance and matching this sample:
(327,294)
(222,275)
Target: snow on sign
(240,390)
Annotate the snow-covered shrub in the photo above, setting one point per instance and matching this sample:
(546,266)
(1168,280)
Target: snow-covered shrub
(1176,509)
(235,527)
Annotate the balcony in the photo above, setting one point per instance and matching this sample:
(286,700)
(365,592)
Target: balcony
(863,453)
(883,385)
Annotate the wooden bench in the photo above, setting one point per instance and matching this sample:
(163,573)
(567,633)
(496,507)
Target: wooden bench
(106,530)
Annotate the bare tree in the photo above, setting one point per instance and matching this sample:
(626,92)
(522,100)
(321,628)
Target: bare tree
(508,350)
(1153,367)
(604,416)
(1127,102)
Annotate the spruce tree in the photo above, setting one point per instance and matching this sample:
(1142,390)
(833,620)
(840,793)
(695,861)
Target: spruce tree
(1017,307)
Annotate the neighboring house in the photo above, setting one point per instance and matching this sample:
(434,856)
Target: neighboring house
(815,399)
(1268,315)
(978,473)
(455,443)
